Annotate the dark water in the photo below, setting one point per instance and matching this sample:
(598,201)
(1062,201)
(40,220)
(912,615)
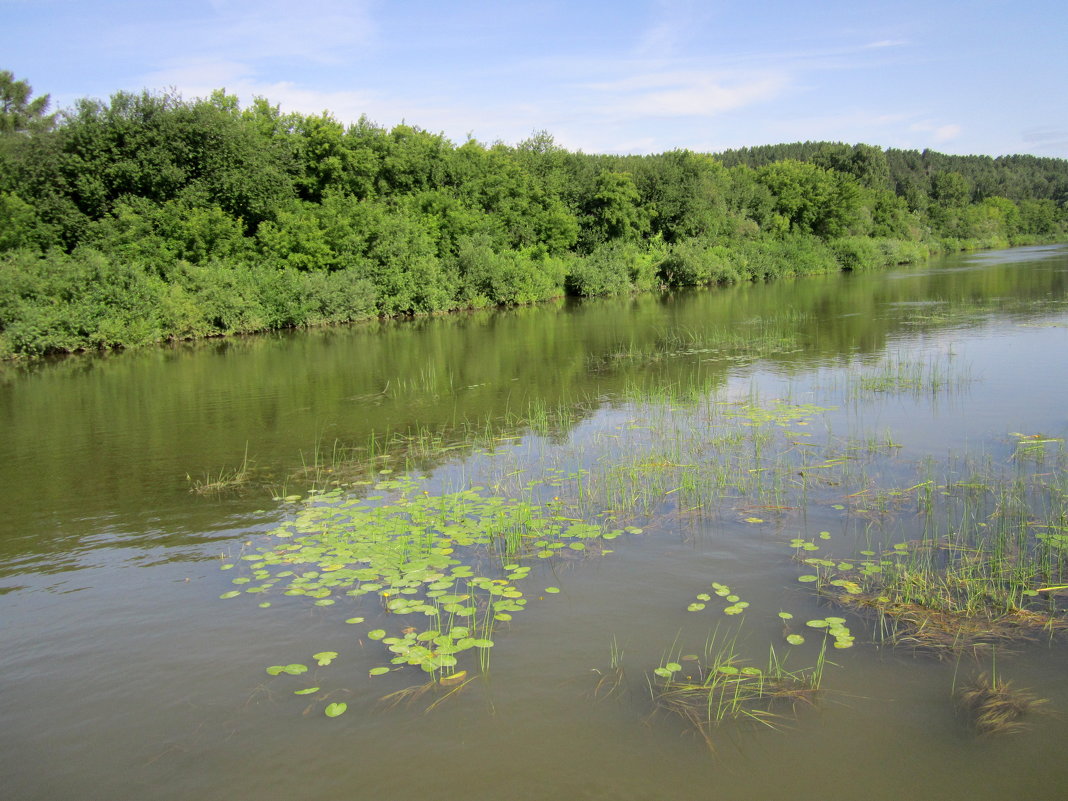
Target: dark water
(123,675)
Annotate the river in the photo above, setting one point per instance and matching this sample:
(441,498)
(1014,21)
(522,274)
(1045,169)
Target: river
(124,675)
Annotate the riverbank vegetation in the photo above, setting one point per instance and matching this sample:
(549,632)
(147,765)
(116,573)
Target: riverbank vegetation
(149,217)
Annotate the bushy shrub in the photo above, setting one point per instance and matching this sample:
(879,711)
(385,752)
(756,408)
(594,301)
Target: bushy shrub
(857,253)
(697,262)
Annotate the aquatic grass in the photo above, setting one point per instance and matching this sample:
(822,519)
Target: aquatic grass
(986,571)
(748,341)
(726,688)
(224,480)
(611,682)
(993,706)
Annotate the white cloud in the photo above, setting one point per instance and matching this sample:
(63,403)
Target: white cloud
(686,94)
(945,133)
(938,133)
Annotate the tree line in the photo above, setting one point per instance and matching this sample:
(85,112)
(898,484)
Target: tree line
(149,217)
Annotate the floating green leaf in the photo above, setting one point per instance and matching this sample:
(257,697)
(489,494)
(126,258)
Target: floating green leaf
(325,657)
(336,709)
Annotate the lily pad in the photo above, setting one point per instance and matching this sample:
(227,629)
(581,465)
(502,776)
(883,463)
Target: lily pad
(334,710)
(324,658)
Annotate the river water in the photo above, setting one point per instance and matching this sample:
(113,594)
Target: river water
(123,675)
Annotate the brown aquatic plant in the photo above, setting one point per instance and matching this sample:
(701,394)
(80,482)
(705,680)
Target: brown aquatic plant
(946,632)
(443,690)
(994,706)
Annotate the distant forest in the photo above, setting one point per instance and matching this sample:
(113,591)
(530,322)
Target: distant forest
(148,218)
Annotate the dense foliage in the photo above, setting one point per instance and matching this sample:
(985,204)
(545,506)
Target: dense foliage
(149,217)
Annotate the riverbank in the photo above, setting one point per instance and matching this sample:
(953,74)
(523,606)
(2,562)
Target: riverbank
(150,218)
(89,301)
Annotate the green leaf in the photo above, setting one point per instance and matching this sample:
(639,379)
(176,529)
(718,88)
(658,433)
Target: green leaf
(307,691)
(324,658)
(695,607)
(334,710)
(794,639)
(378,671)
(376,634)
(552,590)
(354,620)
(295,670)
(231,594)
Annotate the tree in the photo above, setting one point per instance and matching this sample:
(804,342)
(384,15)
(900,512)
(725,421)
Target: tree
(951,189)
(614,210)
(18,113)
(813,200)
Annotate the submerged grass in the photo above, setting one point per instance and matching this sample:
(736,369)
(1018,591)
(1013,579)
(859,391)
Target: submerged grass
(994,706)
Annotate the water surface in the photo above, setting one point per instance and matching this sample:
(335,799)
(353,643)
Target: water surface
(124,675)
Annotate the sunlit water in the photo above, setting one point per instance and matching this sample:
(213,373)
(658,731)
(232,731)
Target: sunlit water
(123,675)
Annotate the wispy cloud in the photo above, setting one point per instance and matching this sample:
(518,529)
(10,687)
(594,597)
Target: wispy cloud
(315,30)
(883,43)
(687,93)
(1047,138)
(939,133)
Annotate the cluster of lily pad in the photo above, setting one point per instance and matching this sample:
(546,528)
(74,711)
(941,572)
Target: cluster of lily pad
(736,607)
(454,559)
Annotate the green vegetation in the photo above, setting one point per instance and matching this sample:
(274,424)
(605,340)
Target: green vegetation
(723,688)
(148,218)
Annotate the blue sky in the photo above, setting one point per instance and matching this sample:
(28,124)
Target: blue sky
(626,76)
